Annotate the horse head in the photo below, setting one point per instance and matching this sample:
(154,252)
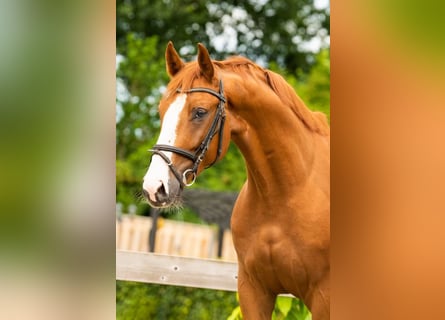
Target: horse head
(193,131)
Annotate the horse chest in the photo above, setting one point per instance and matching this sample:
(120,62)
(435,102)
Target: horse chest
(271,259)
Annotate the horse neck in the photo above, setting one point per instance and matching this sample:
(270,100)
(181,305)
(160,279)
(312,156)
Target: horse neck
(277,146)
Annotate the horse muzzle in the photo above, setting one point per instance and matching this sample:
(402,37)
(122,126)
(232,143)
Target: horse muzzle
(160,187)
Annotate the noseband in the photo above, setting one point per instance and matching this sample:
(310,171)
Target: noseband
(198,155)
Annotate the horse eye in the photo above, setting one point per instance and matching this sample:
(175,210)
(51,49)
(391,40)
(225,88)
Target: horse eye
(199,113)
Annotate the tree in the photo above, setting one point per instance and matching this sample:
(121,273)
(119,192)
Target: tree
(312,87)
(140,76)
(268,30)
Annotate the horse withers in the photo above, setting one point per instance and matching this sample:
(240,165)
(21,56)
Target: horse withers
(281,220)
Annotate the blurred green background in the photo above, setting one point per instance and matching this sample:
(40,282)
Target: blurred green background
(289,37)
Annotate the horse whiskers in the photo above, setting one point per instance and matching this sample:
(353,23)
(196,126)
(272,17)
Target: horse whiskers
(176,207)
(177,204)
(140,197)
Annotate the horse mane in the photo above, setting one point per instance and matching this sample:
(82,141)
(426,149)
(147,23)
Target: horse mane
(314,121)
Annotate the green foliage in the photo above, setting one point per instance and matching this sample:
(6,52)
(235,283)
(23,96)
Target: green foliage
(282,307)
(236,314)
(286,308)
(271,30)
(136,301)
(129,173)
(312,87)
(141,68)
(141,74)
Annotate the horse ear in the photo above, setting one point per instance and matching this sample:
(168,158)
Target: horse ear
(205,63)
(174,62)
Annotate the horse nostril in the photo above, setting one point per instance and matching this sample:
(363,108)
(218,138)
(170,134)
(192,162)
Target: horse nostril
(161,194)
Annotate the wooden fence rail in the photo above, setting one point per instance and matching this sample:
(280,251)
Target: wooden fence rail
(175,270)
(181,255)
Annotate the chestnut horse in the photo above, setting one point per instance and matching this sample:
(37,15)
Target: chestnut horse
(280,222)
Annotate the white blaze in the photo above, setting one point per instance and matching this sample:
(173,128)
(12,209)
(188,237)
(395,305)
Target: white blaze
(158,172)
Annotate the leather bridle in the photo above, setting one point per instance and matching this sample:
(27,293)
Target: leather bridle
(198,155)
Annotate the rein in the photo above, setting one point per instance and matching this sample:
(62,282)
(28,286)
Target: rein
(198,155)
